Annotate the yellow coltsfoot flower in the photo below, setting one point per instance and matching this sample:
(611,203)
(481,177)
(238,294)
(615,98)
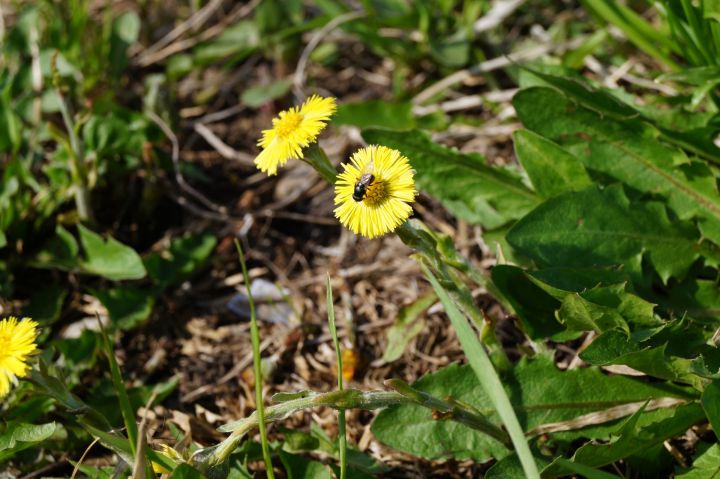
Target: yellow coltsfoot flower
(293,130)
(17,343)
(374,190)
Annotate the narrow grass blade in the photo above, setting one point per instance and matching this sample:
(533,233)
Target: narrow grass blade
(342,438)
(126,409)
(257,366)
(486,374)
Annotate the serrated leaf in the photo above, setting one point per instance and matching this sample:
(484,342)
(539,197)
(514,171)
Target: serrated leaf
(465,184)
(629,151)
(632,438)
(615,347)
(109,258)
(540,394)
(552,170)
(594,227)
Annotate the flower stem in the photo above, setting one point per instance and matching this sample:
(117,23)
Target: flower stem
(316,157)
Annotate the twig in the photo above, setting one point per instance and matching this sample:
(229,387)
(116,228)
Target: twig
(500,10)
(196,20)
(299,77)
(225,150)
(158,51)
(465,102)
(491,65)
(82,458)
(176,164)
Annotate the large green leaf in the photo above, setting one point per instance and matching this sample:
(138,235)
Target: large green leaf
(551,169)
(597,227)
(464,183)
(629,151)
(540,394)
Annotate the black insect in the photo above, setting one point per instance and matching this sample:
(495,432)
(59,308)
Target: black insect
(361,186)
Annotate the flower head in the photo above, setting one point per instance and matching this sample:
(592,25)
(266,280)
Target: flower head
(373,191)
(293,130)
(17,343)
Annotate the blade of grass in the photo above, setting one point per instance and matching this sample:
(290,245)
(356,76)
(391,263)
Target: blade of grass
(486,374)
(257,367)
(634,28)
(342,438)
(125,407)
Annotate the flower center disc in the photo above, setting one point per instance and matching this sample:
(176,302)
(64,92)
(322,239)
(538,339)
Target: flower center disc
(288,123)
(376,193)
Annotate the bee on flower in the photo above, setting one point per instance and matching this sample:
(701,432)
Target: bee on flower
(17,344)
(293,130)
(374,191)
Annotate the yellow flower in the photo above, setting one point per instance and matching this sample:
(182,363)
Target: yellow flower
(17,343)
(379,203)
(292,131)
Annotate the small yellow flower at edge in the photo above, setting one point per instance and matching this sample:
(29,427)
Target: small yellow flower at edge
(387,189)
(17,344)
(293,130)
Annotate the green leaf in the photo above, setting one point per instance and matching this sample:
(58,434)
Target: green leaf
(46,304)
(464,183)
(237,41)
(551,169)
(109,258)
(185,255)
(633,437)
(406,327)
(628,151)
(540,394)
(534,307)
(28,434)
(596,227)
(711,403)
(615,347)
(706,465)
(125,32)
(185,471)
(259,95)
(298,467)
(128,307)
(376,113)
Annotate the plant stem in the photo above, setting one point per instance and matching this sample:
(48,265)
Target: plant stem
(214,458)
(316,157)
(257,367)
(77,155)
